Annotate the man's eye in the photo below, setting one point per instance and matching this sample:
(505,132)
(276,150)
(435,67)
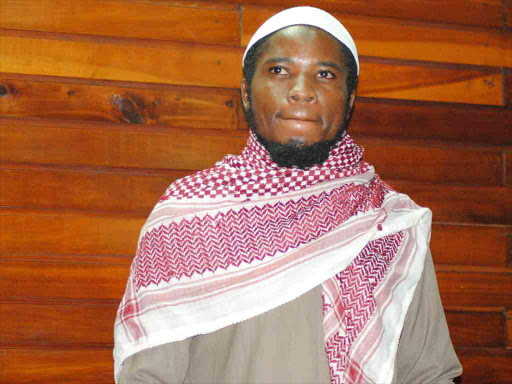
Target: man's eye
(278,70)
(326,75)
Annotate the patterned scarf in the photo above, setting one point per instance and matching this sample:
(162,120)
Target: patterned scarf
(220,244)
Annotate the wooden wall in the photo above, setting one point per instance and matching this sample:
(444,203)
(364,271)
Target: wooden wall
(104,103)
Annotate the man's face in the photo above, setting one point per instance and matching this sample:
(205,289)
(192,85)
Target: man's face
(299,90)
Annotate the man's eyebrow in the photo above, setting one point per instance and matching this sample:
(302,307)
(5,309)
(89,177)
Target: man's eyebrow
(274,60)
(331,64)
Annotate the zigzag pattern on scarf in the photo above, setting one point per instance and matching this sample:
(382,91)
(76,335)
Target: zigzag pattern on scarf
(228,239)
(357,284)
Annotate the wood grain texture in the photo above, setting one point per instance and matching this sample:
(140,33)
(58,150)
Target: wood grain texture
(434,163)
(470,244)
(508,167)
(214,108)
(385,37)
(115,145)
(509,329)
(474,12)
(508,88)
(475,287)
(62,280)
(429,121)
(164,63)
(79,190)
(80,366)
(147,20)
(58,325)
(464,204)
(487,369)
(69,233)
(476,329)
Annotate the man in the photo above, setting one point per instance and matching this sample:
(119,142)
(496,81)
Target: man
(293,262)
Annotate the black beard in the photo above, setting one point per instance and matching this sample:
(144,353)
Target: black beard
(295,154)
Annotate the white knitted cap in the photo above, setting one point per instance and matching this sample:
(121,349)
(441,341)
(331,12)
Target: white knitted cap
(305,16)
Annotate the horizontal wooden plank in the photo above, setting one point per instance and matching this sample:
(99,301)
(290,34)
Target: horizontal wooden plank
(149,20)
(162,62)
(476,329)
(80,366)
(508,167)
(464,204)
(52,233)
(486,369)
(438,163)
(414,120)
(63,280)
(120,145)
(476,245)
(467,288)
(385,37)
(478,12)
(430,83)
(214,108)
(219,66)
(80,190)
(57,325)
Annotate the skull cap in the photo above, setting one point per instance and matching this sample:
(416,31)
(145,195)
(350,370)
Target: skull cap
(305,16)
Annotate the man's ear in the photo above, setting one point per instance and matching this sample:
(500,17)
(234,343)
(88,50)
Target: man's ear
(350,105)
(244,90)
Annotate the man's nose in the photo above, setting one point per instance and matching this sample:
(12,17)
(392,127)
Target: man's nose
(302,91)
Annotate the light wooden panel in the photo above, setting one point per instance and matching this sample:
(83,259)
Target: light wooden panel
(480,205)
(72,279)
(474,12)
(80,366)
(58,325)
(159,62)
(388,38)
(164,63)
(76,189)
(415,120)
(470,244)
(152,20)
(69,233)
(215,108)
(116,145)
(476,328)
(473,286)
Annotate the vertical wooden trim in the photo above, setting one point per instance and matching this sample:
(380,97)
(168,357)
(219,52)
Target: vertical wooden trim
(508,329)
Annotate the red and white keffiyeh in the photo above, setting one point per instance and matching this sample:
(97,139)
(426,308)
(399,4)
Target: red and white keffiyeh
(234,241)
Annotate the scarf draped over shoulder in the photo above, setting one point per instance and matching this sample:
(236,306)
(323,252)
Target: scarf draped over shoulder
(239,239)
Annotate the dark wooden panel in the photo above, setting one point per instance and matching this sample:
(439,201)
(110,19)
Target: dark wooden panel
(508,87)
(158,62)
(221,67)
(479,12)
(476,329)
(381,37)
(482,205)
(75,279)
(469,286)
(486,369)
(508,168)
(412,120)
(115,145)
(81,190)
(51,233)
(509,328)
(434,163)
(193,107)
(469,244)
(57,325)
(151,20)
(508,15)
(82,366)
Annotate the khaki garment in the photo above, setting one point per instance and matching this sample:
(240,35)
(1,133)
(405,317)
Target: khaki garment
(286,345)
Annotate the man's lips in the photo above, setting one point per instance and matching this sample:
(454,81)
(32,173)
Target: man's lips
(298,116)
